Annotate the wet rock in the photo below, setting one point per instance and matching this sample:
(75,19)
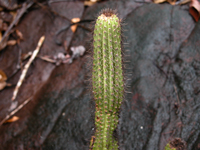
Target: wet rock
(155,34)
(164,81)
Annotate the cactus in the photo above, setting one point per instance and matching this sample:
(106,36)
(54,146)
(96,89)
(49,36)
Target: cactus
(176,144)
(107,79)
(168,147)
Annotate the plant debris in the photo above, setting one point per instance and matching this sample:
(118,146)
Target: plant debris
(3,42)
(13,119)
(195,9)
(35,52)
(3,79)
(16,110)
(77,52)
(74,20)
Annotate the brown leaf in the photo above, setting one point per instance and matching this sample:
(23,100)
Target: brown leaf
(159,1)
(89,3)
(75,20)
(73,27)
(3,76)
(172,2)
(3,43)
(2,85)
(12,42)
(19,34)
(13,119)
(195,9)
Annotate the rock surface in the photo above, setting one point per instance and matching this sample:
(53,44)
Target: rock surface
(163,73)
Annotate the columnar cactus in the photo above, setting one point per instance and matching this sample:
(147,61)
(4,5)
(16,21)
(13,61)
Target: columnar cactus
(107,79)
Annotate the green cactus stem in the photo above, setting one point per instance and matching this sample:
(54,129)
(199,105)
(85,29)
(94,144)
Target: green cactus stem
(168,147)
(176,144)
(107,79)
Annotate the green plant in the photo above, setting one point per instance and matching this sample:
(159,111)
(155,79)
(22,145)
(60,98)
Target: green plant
(176,144)
(168,147)
(107,79)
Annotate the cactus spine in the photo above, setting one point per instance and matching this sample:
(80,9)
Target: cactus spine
(107,79)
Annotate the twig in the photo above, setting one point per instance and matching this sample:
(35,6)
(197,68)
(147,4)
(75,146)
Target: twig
(35,52)
(84,27)
(47,59)
(15,111)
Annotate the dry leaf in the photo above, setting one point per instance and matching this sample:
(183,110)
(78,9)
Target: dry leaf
(12,42)
(159,1)
(74,20)
(13,119)
(195,9)
(2,85)
(89,3)
(172,2)
(3,43)
(73,27)
(19,34)
(3,76)
(3,79)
